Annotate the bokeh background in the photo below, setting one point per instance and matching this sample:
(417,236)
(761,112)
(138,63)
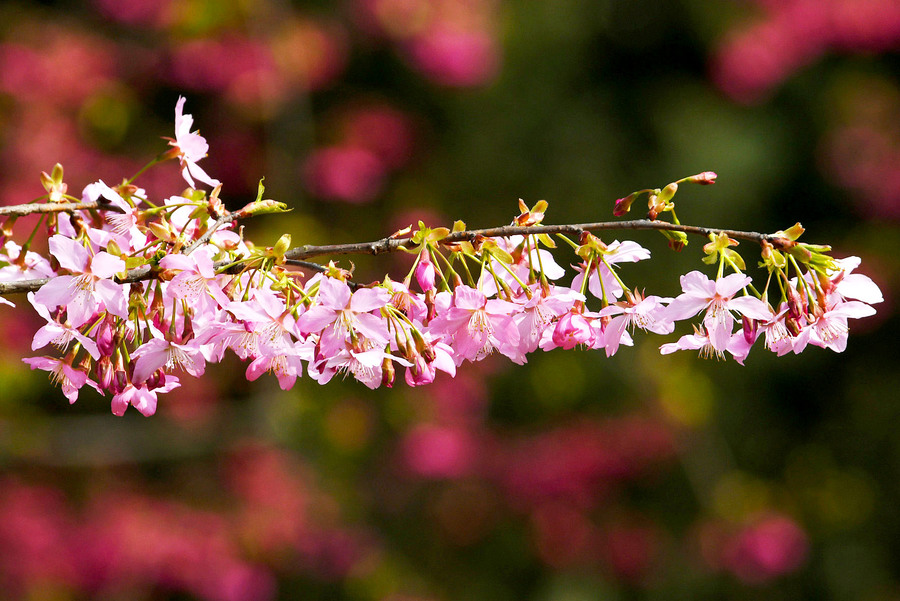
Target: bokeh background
(573,478)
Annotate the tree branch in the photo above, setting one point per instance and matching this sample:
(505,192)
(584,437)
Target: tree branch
(391,244)
(54,207)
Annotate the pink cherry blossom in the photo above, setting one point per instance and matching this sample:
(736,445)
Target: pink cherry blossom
(573,329)
(141,398)
(700,340)
(478,326)
(89,291)
(196,282)
(159,352)
(856,286)
(124,223)
(716,297)
(422,371)
(541,310)
(601,278)
(365,365)
(778,338)
(59,334)
(61,372)
(33,266)
(647,313)
(829,329)
(340,315)
(191,147)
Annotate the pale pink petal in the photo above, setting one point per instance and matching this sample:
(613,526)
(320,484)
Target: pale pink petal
(467,298)
(860,287)
(729,285)
(70,254)
(46,335)
(628,251)
(685,306)
(750,306)
(193,169)
(852,309)
(54,293)
(613,336)
(333,294)
(316,319)
(113,296)
(151,356)
(698,285)
(105,265)
(369,299)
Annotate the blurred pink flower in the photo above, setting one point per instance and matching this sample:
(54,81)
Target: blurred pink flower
(348,174)
(456,58)
(772,546)
(439,452)
(382,129)
(758,56)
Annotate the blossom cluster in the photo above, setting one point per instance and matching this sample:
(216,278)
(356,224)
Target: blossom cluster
(136,293)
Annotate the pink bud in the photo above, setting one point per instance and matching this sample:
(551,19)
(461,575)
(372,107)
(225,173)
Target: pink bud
(425,272)
(571,330)
(120,383)
(707,178)
(795,303)
(751,328)
(623,205)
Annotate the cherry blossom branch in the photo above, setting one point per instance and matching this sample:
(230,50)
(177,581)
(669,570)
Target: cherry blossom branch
(135,342)
(393,244)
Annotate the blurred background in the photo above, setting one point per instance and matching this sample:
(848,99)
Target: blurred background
(573,478)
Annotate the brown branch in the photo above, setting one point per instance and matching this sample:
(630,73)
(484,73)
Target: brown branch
(392,244)
(226,218)
(54,207)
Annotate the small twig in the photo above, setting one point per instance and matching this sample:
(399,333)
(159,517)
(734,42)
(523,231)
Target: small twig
(318,268)
(55,207)
(226,218)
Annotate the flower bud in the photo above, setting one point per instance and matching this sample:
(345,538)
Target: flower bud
(571,330)
(795,303)
(282,246)
(667,193)
(623,205)
(387,373)
(751,328)
(707,178)
(262,207)
(156,380)
(120,382)
(793,326)
(425,271)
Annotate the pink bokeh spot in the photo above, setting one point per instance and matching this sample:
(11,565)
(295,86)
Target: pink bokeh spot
(439,452)
(347,174)
(456,58)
